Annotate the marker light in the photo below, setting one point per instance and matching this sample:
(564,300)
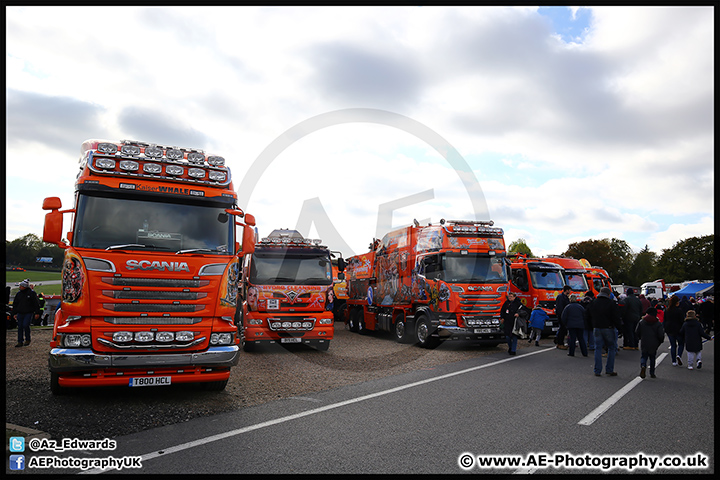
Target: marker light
(174,170)
(174,154)
(129,165)
(105,163)
(132,150)
(217,176)
(152,168)
(153,152)
(196,172)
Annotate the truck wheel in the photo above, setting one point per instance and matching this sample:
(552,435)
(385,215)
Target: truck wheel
(322,346)
(423,331)
(55,387)
(402,330)
(218,386)
(354,320)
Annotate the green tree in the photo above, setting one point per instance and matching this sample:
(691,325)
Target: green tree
(613,255)
(24,250)
(643,267)
(689,259)
(520,246)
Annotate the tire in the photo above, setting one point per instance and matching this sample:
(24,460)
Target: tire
(402,330)
(423,332)
(354,320)
(55,387)
(321,346)
(218,386)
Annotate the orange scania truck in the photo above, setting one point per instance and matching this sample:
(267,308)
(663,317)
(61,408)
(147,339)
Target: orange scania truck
(288,292)
(426,284)
(537,283)
(573,271)
(150,271)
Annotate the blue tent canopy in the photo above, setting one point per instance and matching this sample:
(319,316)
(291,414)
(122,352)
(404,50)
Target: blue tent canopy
(692,289)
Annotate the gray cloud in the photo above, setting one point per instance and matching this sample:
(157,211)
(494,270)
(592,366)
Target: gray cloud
(144,124)
(357,76)
(59,122)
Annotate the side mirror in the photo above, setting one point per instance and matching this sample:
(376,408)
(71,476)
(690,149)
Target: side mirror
(248,243)
(341,265)
(250,219)
(52,230)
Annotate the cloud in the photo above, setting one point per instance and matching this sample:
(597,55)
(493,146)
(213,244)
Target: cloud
(49,120)
(144,123)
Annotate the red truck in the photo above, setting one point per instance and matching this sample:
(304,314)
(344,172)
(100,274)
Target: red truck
(426,284)
(573,272)
(150,271)
(537,283)
(288,292)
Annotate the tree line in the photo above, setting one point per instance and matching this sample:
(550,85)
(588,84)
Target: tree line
(689,259)
(23,252)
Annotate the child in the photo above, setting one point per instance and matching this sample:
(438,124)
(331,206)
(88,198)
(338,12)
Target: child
(538,317)
(650,333)
(693,332)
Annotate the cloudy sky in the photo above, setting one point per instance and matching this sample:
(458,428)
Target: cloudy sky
(559,124)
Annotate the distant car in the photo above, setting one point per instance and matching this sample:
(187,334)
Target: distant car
(17,269)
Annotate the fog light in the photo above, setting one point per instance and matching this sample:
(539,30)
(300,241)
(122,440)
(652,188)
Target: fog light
(144,336)
(122,336)
(165,336)
(184,336)
(307,325)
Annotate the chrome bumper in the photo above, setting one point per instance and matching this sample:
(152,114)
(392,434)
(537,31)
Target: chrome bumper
(70,359)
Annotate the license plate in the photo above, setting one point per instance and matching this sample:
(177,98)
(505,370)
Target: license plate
(483,330)
(548,324)
(291,340)
(555,329)
(149,381)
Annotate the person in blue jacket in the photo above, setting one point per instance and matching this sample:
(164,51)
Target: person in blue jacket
(538,317)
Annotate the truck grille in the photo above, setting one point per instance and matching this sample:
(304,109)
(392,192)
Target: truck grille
(180,293)
(483,302)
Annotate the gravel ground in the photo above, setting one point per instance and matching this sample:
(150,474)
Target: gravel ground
(273,373)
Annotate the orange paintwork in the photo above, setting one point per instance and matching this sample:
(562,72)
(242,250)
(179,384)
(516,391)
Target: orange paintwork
(404,278)
(183,300)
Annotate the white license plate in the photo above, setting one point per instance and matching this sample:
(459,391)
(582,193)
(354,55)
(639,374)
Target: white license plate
(149,381)
(483,330)
(291,340)
(555,329)
(548,324)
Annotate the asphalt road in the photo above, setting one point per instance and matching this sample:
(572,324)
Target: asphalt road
(540,402)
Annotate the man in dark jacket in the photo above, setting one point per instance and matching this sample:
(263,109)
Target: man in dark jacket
(25,307)
(561,302)
(511,309)
(651,334)
(632,312)
(604,316)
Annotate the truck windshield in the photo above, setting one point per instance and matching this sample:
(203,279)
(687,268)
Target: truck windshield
(290,269)
(470,268)
(576,281)
(123,223)
(547,279)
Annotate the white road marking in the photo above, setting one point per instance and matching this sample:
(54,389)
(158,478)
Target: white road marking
(250,428)
(605,406)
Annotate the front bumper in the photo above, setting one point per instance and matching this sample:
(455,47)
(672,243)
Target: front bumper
(75,359)
(445,332)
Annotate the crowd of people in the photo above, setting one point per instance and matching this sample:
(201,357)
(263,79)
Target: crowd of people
(597,323)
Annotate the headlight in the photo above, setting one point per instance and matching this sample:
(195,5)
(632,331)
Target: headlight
(196,172)
(221,338)
(255,321)
(174,170)
(216,161)
(326,321)
(196,158)
(129,165)
(107,147)
(152,168)
(133,150)
(77,340)
(153,152)
(174,154)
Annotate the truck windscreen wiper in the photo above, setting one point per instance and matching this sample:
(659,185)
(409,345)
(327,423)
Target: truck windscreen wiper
(133,245)
(191,250)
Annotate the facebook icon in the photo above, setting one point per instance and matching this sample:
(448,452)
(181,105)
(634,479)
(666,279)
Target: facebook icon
(17,462)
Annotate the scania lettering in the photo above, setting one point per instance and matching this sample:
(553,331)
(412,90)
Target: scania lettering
(151,269)
(288,292)
(537,284)
(426,284)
